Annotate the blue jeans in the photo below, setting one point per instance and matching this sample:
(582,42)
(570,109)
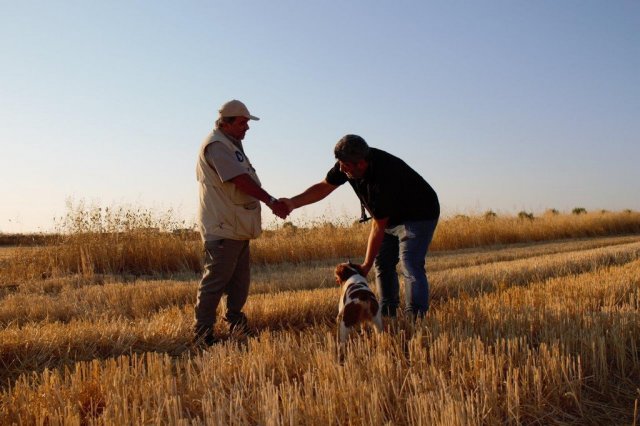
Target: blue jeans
(409,243)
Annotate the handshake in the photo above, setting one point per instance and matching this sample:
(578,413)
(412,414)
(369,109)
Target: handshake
(282,207)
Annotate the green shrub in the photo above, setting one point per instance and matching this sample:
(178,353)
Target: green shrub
(525,215)
(490,215)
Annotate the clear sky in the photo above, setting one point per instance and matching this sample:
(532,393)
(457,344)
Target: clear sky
(503,105)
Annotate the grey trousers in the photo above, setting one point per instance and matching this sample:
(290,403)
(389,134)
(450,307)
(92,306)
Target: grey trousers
(226,271)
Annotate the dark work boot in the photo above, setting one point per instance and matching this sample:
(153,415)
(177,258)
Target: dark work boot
(238,325)
(204,338)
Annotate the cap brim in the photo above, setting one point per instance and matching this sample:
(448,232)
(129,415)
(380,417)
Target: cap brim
(251,117)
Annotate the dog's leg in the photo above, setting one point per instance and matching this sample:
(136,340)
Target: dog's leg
(377,321)
(343,333)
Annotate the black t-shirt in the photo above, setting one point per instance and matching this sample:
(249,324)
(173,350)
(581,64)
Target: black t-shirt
(390,188)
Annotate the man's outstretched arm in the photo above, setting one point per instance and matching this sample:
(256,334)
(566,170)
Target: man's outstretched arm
(312,195)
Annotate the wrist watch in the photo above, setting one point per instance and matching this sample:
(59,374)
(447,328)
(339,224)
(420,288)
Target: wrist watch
(271,200)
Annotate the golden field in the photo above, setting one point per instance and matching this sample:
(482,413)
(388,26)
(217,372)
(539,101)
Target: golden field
(139,242)
(532,322)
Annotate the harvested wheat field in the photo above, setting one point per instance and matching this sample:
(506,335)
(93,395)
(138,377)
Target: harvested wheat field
(528,333)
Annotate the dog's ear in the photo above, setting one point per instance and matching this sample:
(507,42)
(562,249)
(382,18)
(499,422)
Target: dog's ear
(343,272)
(337,274)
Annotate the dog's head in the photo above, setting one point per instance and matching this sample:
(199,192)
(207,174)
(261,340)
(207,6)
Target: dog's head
(344,271)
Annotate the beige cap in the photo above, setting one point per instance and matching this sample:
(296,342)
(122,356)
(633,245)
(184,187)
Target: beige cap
(235,108)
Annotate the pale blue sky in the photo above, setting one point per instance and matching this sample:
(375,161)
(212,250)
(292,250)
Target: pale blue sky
(503,105)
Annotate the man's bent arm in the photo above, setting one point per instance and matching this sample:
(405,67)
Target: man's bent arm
(313,194)
(246,184)
(376,235)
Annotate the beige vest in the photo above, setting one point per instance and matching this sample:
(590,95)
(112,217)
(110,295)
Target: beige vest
(225,211)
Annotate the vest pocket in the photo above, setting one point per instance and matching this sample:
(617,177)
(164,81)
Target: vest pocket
(248,221)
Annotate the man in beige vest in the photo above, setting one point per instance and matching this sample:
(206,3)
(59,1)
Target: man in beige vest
(228,217)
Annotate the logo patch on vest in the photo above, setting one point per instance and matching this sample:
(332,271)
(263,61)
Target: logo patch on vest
(239,156)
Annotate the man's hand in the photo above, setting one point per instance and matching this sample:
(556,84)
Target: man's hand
(280,209)
(289,203)
(364,268)
(246,184)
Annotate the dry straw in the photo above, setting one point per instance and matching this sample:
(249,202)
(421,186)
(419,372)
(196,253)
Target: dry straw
(517,334)
(558,350)
(138,242)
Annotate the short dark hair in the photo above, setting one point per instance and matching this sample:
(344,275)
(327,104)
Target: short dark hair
(351,149)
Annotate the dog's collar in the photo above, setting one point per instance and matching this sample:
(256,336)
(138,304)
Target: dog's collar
(352,268)
(357,278)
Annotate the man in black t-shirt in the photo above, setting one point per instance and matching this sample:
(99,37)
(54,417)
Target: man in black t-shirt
(405,211)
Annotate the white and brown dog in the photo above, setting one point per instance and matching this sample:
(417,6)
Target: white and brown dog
(358,304)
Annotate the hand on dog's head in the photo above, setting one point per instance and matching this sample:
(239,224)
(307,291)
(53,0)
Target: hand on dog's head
(344,271)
